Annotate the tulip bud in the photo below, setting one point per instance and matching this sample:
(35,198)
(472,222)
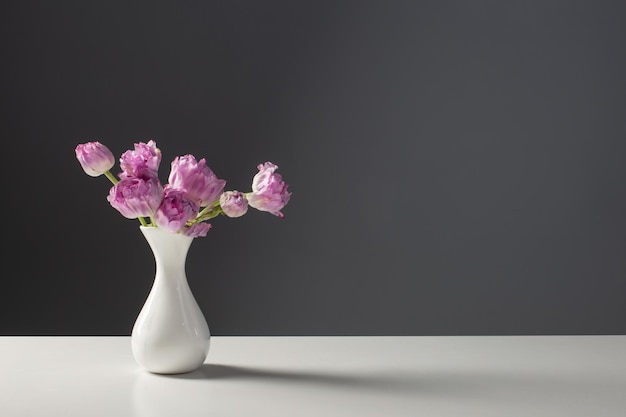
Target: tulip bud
(95,158)
(233,203)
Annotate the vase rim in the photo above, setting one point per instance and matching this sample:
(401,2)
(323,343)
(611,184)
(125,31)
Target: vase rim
(160,230)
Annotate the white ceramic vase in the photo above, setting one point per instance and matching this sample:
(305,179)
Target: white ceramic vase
(170,335)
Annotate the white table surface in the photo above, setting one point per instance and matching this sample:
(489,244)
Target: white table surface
(435,376)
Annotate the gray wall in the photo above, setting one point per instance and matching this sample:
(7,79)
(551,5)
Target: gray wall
(457,167)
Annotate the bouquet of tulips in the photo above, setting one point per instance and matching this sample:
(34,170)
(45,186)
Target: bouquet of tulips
(192,196)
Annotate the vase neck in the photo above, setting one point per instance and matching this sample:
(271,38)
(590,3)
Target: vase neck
(169,249)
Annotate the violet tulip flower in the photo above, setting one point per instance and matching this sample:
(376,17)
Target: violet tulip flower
(197,230)
(136,197)
(175,210)
(269,191)
(193,195)
(142,162)
(95,158)
(233,203)
(196,178)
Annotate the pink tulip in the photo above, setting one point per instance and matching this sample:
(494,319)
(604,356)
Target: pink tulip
(269,191)
(95,158)
(175,210)
(136,197)
(142,162)
(196,178)
(197,230)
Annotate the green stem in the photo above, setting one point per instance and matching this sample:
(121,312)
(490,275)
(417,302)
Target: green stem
(208,208)
(111,177)
(208,216)
(212,210)
(142,221)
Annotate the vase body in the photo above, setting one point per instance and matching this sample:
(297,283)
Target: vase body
(170,335)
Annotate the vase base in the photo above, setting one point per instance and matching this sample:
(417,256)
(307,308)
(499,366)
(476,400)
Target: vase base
(172,372)
(182,364)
